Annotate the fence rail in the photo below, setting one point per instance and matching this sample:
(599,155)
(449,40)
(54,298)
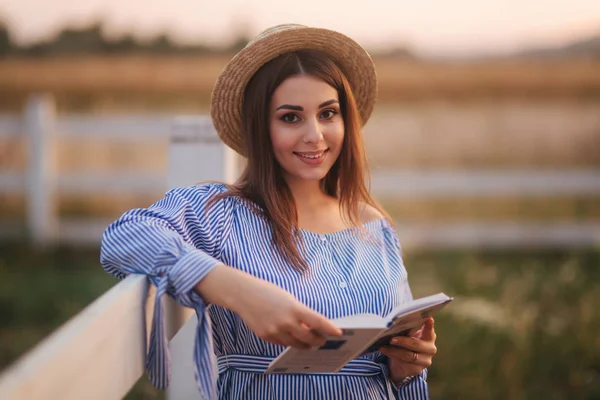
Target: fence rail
(520,183)
(10,126)
(104,343)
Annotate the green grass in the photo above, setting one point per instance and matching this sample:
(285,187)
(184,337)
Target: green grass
(524,325)
(40,290)
(535,334)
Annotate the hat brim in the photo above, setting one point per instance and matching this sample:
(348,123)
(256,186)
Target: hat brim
(228,92)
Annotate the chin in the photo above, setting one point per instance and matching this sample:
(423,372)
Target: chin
(311,175)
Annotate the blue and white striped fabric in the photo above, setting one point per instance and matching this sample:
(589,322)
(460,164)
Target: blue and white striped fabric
(176,242)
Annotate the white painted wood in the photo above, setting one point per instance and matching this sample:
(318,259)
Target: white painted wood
(126,182)
(126,127)
(82,232)
(12,182)
(98,354)
(491,183)
(183,385)
(10,126)
(431,184)
(41,211)
(384,184)
(195,155)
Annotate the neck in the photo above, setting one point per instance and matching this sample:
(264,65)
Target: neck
(308,195)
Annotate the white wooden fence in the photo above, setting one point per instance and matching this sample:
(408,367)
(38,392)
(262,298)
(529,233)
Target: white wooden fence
(41,184)
(100,353)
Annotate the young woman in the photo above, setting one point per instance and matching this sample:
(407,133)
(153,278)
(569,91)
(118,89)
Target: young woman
(296,242)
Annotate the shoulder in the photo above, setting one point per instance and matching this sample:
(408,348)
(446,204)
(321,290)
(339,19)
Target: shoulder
(205,198)
(368,213)
(200,192)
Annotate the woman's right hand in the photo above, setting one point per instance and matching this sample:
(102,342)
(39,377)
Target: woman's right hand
(272,313)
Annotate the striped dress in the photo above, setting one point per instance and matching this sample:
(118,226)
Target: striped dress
(176,242)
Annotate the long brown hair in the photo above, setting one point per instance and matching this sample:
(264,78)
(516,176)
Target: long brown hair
(262,181)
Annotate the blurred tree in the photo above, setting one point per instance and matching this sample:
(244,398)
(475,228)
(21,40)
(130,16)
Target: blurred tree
(124,44)
(84,40)
(6,46)
(162,44)
(239,43)
(585,47)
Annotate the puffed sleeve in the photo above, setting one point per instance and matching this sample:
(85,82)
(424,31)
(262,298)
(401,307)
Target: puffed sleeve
(175,243)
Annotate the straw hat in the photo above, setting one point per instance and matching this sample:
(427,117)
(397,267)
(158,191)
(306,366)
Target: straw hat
(228,92)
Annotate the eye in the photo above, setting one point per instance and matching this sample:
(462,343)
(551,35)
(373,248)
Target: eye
(328,114)
(290,118)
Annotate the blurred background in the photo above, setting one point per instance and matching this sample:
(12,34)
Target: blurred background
(484,147)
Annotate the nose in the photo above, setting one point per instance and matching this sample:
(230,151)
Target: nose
(313,132)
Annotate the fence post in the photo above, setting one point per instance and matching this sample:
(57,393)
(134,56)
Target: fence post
(42,219)
(196,154)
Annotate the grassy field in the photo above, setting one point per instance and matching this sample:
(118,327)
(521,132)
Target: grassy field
(180,82)
(523,326)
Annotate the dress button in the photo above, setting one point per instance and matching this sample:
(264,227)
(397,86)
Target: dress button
(323,239)
(343,285)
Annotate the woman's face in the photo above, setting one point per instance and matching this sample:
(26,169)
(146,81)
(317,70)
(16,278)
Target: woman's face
(306,127)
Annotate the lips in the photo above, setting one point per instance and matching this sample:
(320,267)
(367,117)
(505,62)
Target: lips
(311,154)
(312,157)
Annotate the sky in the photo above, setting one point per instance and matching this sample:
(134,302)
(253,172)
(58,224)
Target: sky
(428,27)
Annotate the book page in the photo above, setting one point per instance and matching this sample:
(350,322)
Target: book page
(406,324)
(418,304)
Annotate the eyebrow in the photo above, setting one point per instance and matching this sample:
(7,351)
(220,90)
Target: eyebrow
(300,108)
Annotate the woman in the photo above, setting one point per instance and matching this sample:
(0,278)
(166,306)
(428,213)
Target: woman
(295,242)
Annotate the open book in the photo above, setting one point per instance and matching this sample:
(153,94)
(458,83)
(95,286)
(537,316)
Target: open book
(362,334)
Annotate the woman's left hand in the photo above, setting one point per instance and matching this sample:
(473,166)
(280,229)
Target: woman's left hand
(409,356)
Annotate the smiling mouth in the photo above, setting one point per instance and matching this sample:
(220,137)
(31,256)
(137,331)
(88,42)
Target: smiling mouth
(312,155)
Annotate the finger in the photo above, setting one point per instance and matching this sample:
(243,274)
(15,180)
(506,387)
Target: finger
(428,332)
(319,323)
(407,356)
(289,340)
(414,344)
(418,334)
(305,334)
